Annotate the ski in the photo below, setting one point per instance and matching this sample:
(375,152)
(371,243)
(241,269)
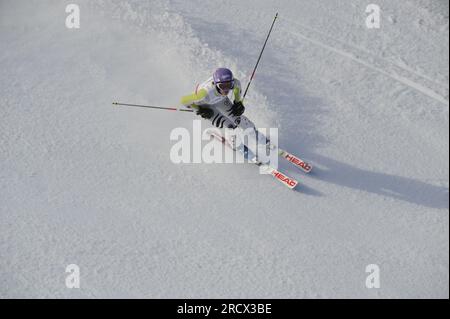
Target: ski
(219,137)
(291,158)
(297,162)
(279,176)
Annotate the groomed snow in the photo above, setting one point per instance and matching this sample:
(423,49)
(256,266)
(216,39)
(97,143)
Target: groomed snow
(86,183)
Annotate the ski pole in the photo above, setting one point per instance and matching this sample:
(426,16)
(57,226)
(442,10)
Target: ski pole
(260,55)
(154,107)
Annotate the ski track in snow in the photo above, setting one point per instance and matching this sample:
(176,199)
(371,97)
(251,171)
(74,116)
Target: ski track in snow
(403,80)
(83,182)
(354,57)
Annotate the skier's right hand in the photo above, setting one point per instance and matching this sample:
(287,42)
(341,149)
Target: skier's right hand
(205,112)
(237,109)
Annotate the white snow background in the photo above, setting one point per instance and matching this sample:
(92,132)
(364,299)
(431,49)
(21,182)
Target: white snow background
(87,183)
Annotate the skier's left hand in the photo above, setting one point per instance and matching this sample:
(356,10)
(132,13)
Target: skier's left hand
(237,109)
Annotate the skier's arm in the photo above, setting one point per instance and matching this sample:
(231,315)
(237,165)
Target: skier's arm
(237,91)
(238,108)
(194,98)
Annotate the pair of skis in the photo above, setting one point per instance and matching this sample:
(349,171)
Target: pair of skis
(278,175)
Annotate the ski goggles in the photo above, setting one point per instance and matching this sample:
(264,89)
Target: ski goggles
(225,86)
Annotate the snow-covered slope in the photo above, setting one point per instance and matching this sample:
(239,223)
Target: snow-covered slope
(86,183)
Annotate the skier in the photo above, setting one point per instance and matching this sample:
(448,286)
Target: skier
(211,101)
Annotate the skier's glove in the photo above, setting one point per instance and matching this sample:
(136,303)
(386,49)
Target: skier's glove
(205,112)
(237,109)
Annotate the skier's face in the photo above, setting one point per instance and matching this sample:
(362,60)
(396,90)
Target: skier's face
(224,92)
(225,87)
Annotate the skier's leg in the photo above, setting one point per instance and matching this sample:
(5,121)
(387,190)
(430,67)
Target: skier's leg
(247,134)
(239,130)
(221,121)
(224,121)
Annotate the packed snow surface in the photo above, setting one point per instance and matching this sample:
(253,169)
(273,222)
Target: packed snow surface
(86,183)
